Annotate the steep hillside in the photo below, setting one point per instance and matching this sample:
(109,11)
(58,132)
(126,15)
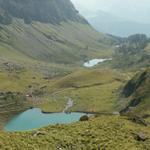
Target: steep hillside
(68,42)
(136,96)
(49,30)
(47,11)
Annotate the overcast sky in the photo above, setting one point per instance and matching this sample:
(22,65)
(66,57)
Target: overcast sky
(138,10)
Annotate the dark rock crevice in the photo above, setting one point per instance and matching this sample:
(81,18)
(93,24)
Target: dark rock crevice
(133,85)
(136,92)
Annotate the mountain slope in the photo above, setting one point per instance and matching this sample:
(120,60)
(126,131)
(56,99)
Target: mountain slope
(49,30)
(136,94)
(65,43)
(47,11)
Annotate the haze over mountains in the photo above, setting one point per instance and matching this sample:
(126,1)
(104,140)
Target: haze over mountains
(108,23)
(116,17)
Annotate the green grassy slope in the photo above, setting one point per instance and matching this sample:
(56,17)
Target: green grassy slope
(50,31)
(105,132)
(91,90)
(65,43)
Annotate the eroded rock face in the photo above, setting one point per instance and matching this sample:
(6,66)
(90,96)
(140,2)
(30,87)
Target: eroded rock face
(136,91)
(134,84)
(47,11)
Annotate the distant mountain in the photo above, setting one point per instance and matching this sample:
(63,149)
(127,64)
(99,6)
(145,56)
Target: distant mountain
(132,52)
(108,23)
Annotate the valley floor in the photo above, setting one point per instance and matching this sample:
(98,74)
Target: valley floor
(77,89)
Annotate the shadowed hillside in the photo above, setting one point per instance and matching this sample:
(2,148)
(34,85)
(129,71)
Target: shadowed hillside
(136,94)
(47,11)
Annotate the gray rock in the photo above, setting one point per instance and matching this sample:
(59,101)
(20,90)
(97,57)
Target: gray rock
(84,118)
(37,133)
(141,137)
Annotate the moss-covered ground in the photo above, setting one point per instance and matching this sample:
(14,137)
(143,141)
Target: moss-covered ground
(104,132)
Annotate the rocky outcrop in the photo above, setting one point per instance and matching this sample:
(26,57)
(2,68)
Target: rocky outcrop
(11,103)
(136,92)
(134,84)
(47,11)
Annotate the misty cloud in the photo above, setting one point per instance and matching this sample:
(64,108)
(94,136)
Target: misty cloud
(129,9)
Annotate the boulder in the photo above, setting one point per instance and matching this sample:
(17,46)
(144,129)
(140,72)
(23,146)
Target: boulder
(84,118)
(141,137)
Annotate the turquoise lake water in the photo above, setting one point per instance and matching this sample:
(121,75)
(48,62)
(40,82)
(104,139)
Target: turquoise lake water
(34,118)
